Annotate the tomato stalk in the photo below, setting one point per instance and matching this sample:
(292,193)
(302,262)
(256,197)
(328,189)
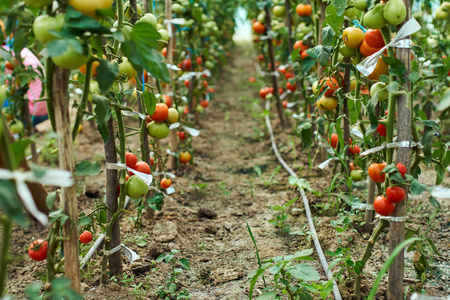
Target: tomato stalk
(48,90)
(84,99)
(51,250)
(368,253)
(5,258)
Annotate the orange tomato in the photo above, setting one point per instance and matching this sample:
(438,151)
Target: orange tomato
(303,10)
(258,28)
(366,50)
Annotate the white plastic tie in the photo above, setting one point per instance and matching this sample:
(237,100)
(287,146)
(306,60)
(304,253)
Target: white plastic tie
(130,254)
(148,179)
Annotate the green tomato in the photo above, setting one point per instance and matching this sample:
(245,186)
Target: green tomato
(380,90)
(43,24)
(177,8)
(432,42)
(136,187)
(173,116)
(158,130)
(395,12)
(351,13)
(164,35)
(127,68)
(346,51)
(373,19)
(16,126)
(71,59)
(356,175)
(279,11)
(360,5)
(441,14)
(126,32)
(38,3)
(200,109)
(127,10)
(3,94)
(149,18)
(261,18)
(209,64)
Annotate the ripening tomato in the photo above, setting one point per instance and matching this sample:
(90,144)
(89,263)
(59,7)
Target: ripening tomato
(166,183)
(164,51)
(327,103)
(136,187)
(187,83)
(374,39)
(334,140)
(86,237)
(204,103)
(161,112)
(185,157)
(401,168)
(366,50)
(380,69)
(303,10)
(353,37)
(260,57)
(381,129)
(303,54)
(375,172)
(89,7)
(353,166)
(142,167)
(158,130)
(289,75)
(252,79)
(263,92)
(258,28)
(199,60)
(395,194)
(186,64)
(332,85)
(285,103)
(130,160)
(173,116)
(167,100)
(38,250)
(383,206)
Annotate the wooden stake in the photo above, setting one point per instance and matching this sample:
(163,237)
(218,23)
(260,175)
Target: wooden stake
(404,125)
(60,84)
(273,68)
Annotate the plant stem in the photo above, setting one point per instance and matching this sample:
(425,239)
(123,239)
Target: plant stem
(4,257)
(84,99)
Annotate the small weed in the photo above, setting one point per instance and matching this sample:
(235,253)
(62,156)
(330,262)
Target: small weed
(171,291)
(269,181)
(223,189)
(281,216)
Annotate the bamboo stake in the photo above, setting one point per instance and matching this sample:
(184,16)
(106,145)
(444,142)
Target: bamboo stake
(404,126)
(60,84)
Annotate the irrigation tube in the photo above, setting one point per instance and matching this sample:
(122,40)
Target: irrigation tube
(323,260)
(97,243)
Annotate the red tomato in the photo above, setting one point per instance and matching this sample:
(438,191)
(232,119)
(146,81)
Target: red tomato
(38,250)
(186,64)
(381,129)
(375,172)
(161,113)
(152,161)
(260,57)
(182,135)
(263,92)
(289,75)
(291,87)
(164,52)
(204,103)
(142,167)
(383,206)
(166,183)
(374,39)
(299,44)
(258,27)
(401,168)
(186,83)
(285,103)
(304,54)
(252,79)
(354,150)
(395,194)
(199,60)
(186,110)
(303,10)
(86,237)
(130,160)
(334,140)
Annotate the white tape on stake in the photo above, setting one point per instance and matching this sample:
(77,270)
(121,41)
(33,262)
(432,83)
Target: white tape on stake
(50,177)
(170,152)
(391,219)
(174,125)
(148,179)
(176,21)
(192,131)
(357,133)
(363,206)
(402,144)
(367,66)
(327,162)
(133,113)
(173,67)
(165,174)
(130,254)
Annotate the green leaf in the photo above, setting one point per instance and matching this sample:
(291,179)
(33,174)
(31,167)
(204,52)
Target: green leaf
(197,14)
(304,272)
(414,77)
(82,222)
(416,187)
(142,52)
(59,46)
(103,112)
(328,34)
(160,258)
(51,198)
(10,204)
(77,23)
(156,202)
(86,167)
(109,72)
(149,100)
(393,87)
(290,202)
(185,263)
(33,291)
(19,149)
(427,142)
(268,296)
(321,53)
(445,102)
(254,279)
(340,6)
(396,67)
(333,19)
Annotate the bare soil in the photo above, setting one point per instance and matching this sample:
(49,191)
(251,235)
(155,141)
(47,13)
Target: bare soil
(207,224)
